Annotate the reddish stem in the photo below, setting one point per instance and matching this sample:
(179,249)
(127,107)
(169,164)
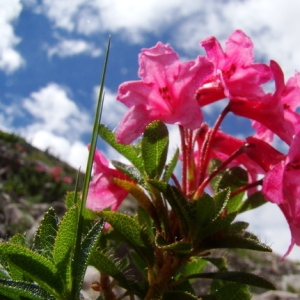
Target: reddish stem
(184,158)
(246,187)
(205,151)
(204,183)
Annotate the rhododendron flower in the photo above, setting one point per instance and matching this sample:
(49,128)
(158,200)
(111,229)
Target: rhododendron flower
(235,74)
(268,109)
(288,97)
(281,186)
(103,192)
(165,92)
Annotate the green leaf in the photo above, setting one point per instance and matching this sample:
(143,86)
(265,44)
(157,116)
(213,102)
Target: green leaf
(35,266)
(139,194)
(127,151)
(237,241)
(146,222)
(255,200)
(131,231)
(214,183)
(139,263)
(88,245)
(224,290)
(64,244)
(19,290)
(218,262)
(18,239)
(44,237)
(177,201)
(155,144)
(171,166)
(180,247)
(132,172)
(104,264)
(14,272)
(220,224)
(238,277)
(234,178)
(205,211)
(195,265)
(221,199)
(179,295)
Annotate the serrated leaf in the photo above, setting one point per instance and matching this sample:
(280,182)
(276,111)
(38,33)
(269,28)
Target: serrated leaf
(132,172)
(131,231)
(44,237)
(18,239)
(35,266)
(238,227)
(234,178)
(127,151)
(221,199)
(238,277)
(139,194)
(237,241)
(70,199)
(180,247)
(155,142)
(104,264)
(64,244)
(205,211)
(214,183)
(16,289)
(177,201)
(193,266)
(170,167)
(88,245)
(220,224)
(255,200)
(146,222)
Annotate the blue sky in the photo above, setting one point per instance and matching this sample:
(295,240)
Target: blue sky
(51,54)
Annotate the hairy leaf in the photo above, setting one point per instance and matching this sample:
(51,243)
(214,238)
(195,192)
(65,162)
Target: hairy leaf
(155,143)
(44,237)
(127,151)
(19,290)
(35,266)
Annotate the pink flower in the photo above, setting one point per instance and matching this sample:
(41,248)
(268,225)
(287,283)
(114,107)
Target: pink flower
(288,98)
(103,192)
(165,92)
(266,109)
(281,186)
(235,74)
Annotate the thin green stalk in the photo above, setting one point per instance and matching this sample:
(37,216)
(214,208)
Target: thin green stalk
(87,178)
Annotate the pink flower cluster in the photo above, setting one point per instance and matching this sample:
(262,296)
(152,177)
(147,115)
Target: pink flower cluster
(174,92)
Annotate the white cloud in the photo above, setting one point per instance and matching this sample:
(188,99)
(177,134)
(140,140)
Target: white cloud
(57,124)
(56,112)
(273,25)
(73,47)
(74,153)
(269,224)
(10,59)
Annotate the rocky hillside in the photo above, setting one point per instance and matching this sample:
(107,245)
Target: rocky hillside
(32,180)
